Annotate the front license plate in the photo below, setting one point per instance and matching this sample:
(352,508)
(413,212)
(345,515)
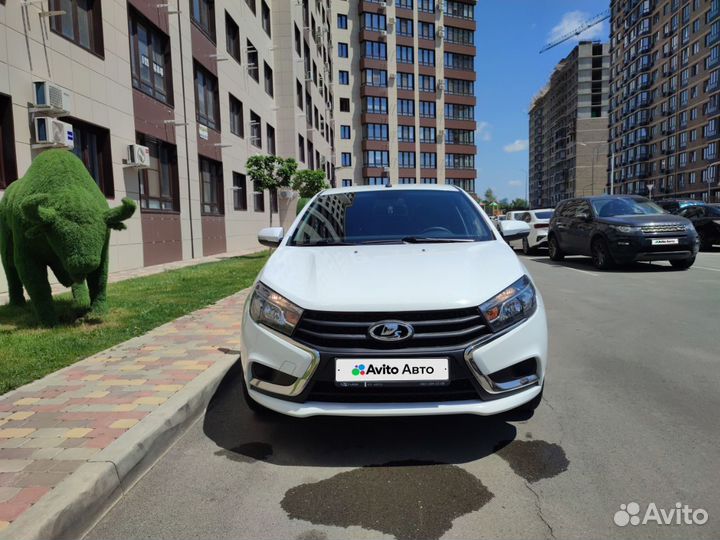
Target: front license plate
(391,370)
(664,241)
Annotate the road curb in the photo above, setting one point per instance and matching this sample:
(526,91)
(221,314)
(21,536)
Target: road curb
(74,504)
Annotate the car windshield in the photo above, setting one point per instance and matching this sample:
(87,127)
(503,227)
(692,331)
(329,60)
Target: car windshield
(387,216)
(625,207)
(544,215)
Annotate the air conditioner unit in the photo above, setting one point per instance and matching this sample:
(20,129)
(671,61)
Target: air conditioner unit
(52,132)
(51,96)
(440,32)
(138,156)
(438,7)
(440,85)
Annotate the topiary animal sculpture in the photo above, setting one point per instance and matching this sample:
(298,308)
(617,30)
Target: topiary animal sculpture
(57,217)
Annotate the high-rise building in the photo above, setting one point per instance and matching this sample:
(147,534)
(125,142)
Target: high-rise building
(203,84)
(568,127)
(665,97)
(404,91)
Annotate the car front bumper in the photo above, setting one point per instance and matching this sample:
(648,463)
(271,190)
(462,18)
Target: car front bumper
(313,369)
(631,248)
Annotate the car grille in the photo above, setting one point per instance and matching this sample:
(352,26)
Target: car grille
(446,329)
(669,228)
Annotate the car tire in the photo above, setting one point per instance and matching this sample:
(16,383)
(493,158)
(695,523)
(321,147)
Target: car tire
(683,264)
(526,249)
(601,256)
(556,254)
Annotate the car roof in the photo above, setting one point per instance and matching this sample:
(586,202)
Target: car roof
(404,187)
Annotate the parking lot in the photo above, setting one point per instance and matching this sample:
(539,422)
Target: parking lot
(630,414)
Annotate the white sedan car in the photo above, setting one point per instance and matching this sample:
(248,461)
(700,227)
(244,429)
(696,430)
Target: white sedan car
(539,221)
(400,300)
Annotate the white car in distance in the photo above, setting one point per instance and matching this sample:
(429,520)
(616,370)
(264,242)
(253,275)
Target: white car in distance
(392,301)
(539,222)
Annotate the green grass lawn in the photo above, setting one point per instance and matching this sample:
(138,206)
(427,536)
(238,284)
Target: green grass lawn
(29,351)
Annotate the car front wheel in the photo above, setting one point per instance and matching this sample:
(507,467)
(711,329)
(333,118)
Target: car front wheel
(527,250)
(601,256)
(683,264)
(556,254)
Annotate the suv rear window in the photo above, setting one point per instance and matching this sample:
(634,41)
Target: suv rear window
(390,216)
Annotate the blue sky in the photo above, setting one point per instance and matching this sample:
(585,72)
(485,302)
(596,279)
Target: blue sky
(510,72)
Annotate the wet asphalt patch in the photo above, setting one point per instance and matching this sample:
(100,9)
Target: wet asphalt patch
(533,460)
(407,499)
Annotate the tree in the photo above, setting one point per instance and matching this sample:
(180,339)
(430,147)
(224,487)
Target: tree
(490,196)
(271,173)
(307,183)
(519,204)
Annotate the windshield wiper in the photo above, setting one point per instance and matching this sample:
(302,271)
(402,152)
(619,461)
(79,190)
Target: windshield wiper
(431,240)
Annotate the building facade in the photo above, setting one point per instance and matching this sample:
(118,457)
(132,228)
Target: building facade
(203,84)
(665,98)
(404,91)
(568,128)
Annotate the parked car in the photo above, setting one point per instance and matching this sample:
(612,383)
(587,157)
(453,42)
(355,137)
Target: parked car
(706,220)
(618,229)
(539,221)
(675,206)
(399,300)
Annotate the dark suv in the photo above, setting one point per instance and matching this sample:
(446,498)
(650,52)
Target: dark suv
(619,229)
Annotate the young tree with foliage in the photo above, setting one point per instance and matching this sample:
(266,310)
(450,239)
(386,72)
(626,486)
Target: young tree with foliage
(490,196)
(271,173)
(519,204)
(307,183)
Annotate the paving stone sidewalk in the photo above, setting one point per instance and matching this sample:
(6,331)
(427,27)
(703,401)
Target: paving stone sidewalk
(50,427)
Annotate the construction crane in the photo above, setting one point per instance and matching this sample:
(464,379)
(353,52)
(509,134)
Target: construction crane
(597,19)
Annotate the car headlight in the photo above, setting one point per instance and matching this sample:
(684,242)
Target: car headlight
(627,229)
(514,304)
(274,310)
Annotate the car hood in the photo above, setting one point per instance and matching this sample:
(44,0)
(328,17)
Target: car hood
(639,221)
(396,277)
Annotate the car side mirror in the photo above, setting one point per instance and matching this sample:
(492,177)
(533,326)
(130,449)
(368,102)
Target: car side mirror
(271,236)
(513,230)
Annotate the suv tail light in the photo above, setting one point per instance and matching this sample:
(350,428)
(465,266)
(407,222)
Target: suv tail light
(541,225)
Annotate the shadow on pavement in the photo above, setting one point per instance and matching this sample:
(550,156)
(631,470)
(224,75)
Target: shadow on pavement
(346,442)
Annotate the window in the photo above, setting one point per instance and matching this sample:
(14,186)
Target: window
(428,180)
(252,6)
(274,201)
(258,198)
(458,10)
(406,133)
(301,148)
(427,6)
(255,130)
(92,146)
(269,86)
(459,136)
(203,15)
(405,81)
(406,160)
(407,180)
(342,21)
(344,104)
(346,159)
(81,23)
(405,54)
(426,83)
(426,57)
(266,23)
(346,182)
(232,37)
(159,187)
(237,120)
(206,98)
(377,158)
(460,35)
(343,50)
(239,191)
(344,77)
(253,61)
(270,136)
(373,22)
(426,30)
(375,132)
(298,46)
(428,160)
(427,135)
(299,94)
(149,59)
(375,105)
(404,27)
(459,61)
(374,77)
(459,161)
(344,132)
(375,49)
(406,107)
(211,187)
(427,109)
(459,87)
(8,165)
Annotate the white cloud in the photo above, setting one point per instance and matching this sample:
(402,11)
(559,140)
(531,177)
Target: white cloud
(520,145)
(516,183)
(483,131)
(572,20)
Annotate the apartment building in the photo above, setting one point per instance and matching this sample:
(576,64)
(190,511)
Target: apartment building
(404,92)
(568,127)
(665,98)
(202,84)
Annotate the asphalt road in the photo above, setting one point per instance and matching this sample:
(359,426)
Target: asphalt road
(630,414)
